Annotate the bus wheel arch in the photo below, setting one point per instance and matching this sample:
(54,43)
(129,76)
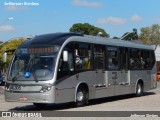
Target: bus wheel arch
(81,94)
(139,88)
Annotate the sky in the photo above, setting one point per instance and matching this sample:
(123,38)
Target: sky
(26,18)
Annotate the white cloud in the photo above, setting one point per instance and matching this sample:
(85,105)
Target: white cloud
(15,8)
(136,18)
(86,3)
(7,28)
(112,20)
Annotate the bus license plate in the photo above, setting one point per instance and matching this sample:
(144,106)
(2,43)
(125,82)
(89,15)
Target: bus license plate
(23,98)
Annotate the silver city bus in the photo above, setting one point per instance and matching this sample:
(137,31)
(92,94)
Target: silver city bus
(72,67)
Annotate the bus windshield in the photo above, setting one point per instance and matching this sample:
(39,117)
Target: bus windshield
(33,65)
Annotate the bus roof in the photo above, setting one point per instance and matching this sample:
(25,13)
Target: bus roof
(49,39)
(116,42)
(60,38)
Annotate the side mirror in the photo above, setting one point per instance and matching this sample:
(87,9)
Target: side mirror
(4,57)
(65,56)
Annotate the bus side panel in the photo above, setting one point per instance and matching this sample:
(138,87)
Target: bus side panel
(101,84)
(125,82)
(66,88)
(143,75)
(64,95)
(101,92)
(153,77)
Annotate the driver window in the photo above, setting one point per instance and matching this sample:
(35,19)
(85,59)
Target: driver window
(66,67)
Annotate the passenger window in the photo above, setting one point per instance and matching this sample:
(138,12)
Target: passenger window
(123,58)
(145,60)
(99,57)
(152,59)
(112,53)
(141,59)
(135,59)
(83,56)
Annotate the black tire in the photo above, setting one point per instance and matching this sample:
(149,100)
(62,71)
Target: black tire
(139,89)
(81,97)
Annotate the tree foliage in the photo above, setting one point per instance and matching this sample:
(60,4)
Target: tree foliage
(115,37)
(11,45)
(88,29)
(150,35)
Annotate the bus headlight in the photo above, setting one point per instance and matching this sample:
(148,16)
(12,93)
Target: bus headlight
(7,87)
(45,88)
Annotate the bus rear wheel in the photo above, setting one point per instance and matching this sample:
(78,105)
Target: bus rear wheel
(81,97)
(139,89)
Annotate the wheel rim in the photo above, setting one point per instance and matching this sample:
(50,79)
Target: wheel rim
(139,89)
(80,96)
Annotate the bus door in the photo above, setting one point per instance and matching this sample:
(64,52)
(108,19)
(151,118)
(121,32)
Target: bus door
(125,79)
(99,66)
(114,73)
(114,78)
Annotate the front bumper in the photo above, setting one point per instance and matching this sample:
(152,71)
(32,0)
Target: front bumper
(34,97)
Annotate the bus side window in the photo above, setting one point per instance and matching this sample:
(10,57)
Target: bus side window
(135,59)
(83,56)
(152,59)
(145,59)
(112,53)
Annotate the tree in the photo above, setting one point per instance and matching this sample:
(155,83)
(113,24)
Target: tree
(115,37)
(150,35)
(88,29)
(11,45)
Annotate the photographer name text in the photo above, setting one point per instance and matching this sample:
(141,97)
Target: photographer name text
(21,4)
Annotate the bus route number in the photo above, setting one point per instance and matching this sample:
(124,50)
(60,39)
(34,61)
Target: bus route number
(15,88)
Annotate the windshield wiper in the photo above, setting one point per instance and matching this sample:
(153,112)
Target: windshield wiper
(32,58)
(16,77)
(35,77)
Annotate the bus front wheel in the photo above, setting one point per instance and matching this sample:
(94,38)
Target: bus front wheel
(139,89)
(81,97)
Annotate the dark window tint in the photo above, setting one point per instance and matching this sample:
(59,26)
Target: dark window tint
(145,59)
(66,67)
(152,58)
(83,56)
(99,57)
(135,59)
(141,59)
(112,53)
